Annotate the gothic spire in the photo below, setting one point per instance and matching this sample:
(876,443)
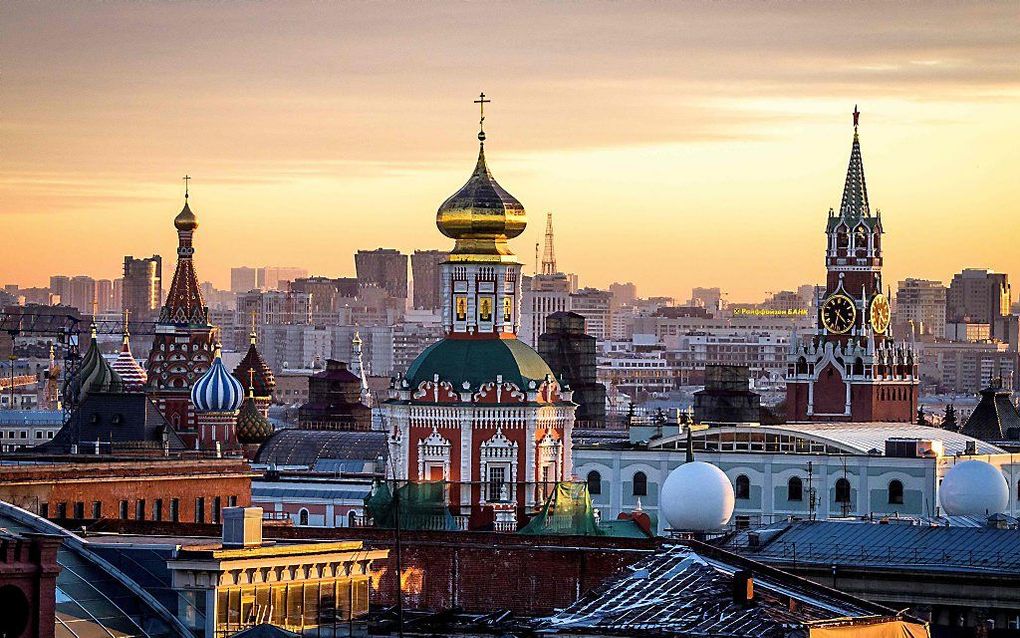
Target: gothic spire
(549,255)
(855,191)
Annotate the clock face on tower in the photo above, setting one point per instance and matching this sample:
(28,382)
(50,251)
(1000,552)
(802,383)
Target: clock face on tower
(879,313)
(838,314)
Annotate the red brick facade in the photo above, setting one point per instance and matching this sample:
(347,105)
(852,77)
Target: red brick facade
(189,491)
(28,578)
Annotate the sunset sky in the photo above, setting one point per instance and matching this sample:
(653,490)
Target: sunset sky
(676,144)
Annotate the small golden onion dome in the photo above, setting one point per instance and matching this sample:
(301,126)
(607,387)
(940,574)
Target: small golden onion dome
(481,216)
(186,219)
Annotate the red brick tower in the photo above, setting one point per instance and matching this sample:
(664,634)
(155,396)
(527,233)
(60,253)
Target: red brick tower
(851,369)
(182,348)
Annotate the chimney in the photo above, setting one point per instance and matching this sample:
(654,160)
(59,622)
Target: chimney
(242,527)
(743,588)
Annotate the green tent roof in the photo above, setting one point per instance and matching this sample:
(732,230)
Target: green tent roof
(479,361)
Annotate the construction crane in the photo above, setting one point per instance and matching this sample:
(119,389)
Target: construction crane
(65,328)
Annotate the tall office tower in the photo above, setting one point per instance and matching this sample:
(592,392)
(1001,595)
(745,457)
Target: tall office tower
(270,277)
(61,287)
(104,295)
(183,347)
(82,292)
(623,294)
(427,275)
(243,279)
(920,309)
(143,287)
(712,299)
(118,293)
(594,306)
(383,267)
(851,369)
(570,352)
(979,296)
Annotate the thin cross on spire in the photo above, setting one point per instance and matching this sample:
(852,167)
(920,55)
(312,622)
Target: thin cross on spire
(481,102)
(186,178)
(857,117)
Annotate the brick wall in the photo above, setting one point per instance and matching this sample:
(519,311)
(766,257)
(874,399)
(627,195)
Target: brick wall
(479,572)
(42,489)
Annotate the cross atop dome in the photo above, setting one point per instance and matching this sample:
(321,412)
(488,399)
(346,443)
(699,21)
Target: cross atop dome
(482,215)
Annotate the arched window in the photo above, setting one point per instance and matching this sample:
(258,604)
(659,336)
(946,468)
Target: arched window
(895,493)
(842,491)
(743,487)
(640,484)
(352,518)
(595,483)
(302,517)
(795,489)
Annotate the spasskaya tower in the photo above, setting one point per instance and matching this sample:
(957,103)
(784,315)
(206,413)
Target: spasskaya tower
(851,369)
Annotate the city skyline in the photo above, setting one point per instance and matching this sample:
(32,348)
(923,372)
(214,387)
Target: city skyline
(721,164)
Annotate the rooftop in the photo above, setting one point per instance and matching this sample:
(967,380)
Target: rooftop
(689,590)
(895,544)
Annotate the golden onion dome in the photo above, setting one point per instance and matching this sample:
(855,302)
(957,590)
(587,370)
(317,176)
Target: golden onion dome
(186,219)
(481,216)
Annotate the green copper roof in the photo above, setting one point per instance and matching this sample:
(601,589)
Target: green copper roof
(479,361)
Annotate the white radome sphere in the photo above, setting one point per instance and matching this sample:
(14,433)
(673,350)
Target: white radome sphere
(697,496)
(973,488)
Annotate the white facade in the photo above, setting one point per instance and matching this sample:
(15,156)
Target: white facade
(774,470)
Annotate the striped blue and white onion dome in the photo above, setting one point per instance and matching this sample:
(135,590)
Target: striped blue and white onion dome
(217,390)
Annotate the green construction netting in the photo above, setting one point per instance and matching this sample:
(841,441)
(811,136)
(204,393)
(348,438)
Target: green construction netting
(422,506)
(567,511)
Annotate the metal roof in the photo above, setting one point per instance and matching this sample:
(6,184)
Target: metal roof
(897,544)
(864,437)
(323,491)
(308,447)
(683,592)
(31,417)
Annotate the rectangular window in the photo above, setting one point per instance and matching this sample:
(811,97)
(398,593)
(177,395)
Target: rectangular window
(175,509)
(157,510)
(79,510)
(61,510)
(217,505)
(44,510)
(140,509)
(231,501)
(97,509)
(200,509)
(497,477)
(123,510)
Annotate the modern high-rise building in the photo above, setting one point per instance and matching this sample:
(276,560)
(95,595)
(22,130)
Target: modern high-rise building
(383,267)
(243,279)
(104,295)
(624,294)
(427,275)
(979,296)
(60,286)
(713,299)
(271,277)
(920,309)
(142,291)
(595,306)
(82,293)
